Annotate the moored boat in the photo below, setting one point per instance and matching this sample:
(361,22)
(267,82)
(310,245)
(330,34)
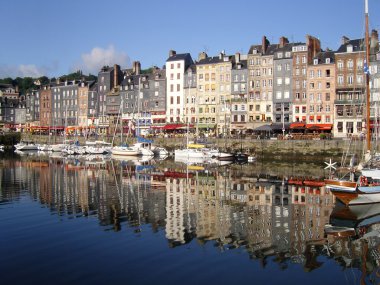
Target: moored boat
(365,191)
(26,145)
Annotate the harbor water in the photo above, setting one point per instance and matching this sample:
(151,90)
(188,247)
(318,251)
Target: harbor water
(103,220)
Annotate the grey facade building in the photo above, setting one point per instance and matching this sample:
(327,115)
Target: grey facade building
(282,82)
(93,102)
(143,98)
(33,107)
(239,93)
(9,105)
(108,78)
(64,103)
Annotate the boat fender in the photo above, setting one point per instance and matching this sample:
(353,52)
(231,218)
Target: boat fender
(363,181)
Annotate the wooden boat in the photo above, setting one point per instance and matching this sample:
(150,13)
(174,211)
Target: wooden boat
(365,191)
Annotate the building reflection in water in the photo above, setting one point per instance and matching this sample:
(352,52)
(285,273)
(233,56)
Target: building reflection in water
(279,217)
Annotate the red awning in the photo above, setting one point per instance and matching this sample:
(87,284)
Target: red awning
(319,117)
(173,126)
(319,126)
(297,125)
(311,117)
(303,118)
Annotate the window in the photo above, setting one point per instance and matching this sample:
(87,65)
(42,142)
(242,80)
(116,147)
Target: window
(279,81)
(178,87)
(340,79)
(340,64)
(350,64)
(350,79)
(178,75)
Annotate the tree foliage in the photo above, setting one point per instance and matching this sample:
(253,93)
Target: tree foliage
(26,84)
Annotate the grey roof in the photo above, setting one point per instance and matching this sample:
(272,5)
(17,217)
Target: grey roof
(242,63)
(357,45)
(255,47)
(321,56)
(215,59)
(181,56)
(193,68)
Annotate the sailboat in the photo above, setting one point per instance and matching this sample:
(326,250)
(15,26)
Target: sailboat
(124,150)
(365,189)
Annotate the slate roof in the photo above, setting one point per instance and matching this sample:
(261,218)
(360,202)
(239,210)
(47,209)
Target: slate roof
(321,56)
(357,45)
(243,63)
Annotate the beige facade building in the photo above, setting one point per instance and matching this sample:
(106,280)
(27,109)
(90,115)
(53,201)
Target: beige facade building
(213,92)
(303,55)
(320,91)
(260,72)
(350,88)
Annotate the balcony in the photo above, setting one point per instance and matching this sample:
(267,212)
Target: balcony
(242,99)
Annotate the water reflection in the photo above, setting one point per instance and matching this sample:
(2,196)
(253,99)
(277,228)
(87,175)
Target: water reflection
(277,217)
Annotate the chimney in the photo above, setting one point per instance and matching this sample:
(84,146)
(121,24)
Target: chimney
(264,44)
(136,67)
(283,41)
(202,55)
(374,38)
(344,40)
(314,45)
(172,53)
(115,74)
(58,80)
(237,57)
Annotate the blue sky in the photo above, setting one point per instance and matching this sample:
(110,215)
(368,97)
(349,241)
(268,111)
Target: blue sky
(47,37)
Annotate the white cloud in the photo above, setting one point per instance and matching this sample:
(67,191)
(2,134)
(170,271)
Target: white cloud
(22,70)
(93,61)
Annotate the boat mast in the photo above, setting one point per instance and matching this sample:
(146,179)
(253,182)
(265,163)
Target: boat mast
(138,109)
(368,107)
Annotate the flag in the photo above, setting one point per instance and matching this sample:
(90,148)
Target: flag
(366,69)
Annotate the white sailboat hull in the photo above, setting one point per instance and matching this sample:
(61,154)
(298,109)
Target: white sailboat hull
(127,151)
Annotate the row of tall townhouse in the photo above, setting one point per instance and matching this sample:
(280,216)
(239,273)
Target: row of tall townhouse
(284,83)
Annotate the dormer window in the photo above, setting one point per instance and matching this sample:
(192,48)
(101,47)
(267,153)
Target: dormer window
(287,54)
(279,54)
(255,51)
(350,48)
(328,60)
(315,61)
